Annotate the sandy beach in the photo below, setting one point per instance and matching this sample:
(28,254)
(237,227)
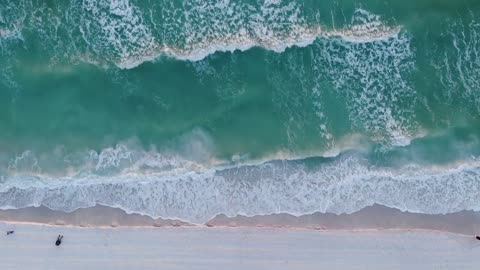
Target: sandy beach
(375,217)
(108,238)
(32,247)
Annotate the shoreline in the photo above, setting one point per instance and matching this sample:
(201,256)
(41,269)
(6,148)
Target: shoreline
(372,218)
(9,224)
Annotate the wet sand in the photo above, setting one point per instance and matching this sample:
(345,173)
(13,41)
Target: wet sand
(370,218)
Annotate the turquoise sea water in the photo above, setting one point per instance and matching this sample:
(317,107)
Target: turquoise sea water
(192,108)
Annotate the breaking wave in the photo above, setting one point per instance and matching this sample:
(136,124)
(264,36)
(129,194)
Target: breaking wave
(126,35)
(166,186)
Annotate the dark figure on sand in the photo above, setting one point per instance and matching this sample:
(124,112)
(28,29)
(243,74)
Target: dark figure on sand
(477,236)
(9,232)
(59,240)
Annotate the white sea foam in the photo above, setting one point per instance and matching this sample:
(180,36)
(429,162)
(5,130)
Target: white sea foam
(346,58)
(297,35)
(457,62)
(191,152)
(9,34)
(12,16)
(341,185)
(117,30)
(374,79)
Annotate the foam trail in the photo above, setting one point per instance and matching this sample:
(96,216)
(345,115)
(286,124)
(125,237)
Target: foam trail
(344,184)
(11,24)
(126,35)
(373,78)
(261,35)
(458,63)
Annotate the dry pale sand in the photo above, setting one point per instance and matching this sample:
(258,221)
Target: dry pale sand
(32,247)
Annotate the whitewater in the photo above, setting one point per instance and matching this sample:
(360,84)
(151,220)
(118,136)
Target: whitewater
(163,186)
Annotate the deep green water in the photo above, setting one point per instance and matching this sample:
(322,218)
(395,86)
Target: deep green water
(137,92)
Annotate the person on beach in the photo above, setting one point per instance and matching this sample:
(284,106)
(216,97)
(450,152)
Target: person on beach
(9,232)
(59,240)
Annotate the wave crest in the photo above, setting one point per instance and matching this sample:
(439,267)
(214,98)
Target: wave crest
(343,184)
(126,35)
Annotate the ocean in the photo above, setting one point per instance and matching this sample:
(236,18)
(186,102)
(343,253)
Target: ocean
(189,109)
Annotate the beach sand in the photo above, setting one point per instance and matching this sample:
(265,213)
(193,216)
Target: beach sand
(376,237)
(32,247)
(373,217)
